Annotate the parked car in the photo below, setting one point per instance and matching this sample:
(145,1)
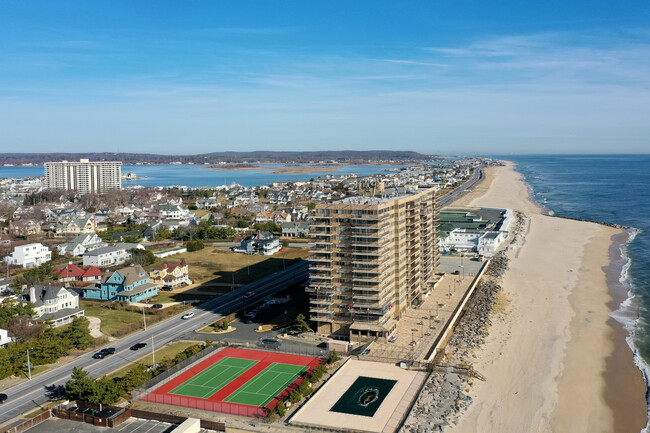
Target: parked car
(167,289)
(138,346)
(188,315)
(249,294)
(3,398)
(392,339)
(157,306)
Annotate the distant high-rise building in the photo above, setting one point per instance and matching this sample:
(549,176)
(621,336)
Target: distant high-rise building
(84,176)
(373,258)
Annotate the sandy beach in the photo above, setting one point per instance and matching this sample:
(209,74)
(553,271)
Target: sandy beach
(555,361)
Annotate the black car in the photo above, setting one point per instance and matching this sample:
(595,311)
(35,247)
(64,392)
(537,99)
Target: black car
(138,346)
(3,398)
(104,353)
(157,306)
(167,289)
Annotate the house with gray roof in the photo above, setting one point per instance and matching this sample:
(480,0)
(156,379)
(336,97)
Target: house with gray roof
(129,284)
(55,304)
(82,243)
(107,256)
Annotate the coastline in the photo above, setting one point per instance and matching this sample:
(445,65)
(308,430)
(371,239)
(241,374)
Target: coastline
(281,170)
(542,369)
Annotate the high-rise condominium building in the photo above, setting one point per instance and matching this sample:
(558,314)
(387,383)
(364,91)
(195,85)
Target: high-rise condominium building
(373,258)
(84,176)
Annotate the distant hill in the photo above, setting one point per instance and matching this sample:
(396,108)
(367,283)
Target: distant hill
(269,157)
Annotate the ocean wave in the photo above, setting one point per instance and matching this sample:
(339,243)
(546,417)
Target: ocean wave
(629,316)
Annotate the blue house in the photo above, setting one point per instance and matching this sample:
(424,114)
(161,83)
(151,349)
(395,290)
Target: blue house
(130,284)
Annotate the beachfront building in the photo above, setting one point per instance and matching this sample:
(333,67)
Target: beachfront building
(29,255)
(130,284)
(373,258)
(485,243)
(54,304)
(170,274)
(84,176)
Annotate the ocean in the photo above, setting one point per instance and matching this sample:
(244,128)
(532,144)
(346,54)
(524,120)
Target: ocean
(610,189)
(193,176)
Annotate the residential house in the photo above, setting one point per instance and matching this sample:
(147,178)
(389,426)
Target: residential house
(5,286)
(240,212)
(72,272)
(54,304)
(276,217)
(24,228)
(265,243)
(280,198)
(72,225)
(295,229)
(119,237)
(170,274)
(82,243)
(130,284)
(174,211)
(207,203)
(29,255)
(106,256)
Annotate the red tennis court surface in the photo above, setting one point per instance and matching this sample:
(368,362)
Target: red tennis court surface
(215,402)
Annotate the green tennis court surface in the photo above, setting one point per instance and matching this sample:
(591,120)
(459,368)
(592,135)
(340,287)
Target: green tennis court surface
(213,378)
(270,382)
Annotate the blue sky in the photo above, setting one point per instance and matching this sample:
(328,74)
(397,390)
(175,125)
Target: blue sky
(452,77)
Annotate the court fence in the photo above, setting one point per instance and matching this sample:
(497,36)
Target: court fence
(212,406)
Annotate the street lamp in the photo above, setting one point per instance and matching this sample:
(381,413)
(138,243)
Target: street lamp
(29,364)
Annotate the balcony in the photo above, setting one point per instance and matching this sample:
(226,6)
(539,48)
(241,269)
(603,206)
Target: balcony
(321,311)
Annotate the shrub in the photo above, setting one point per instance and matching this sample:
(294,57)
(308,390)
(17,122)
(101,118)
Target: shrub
(281,409)
(295,396)
(195,245)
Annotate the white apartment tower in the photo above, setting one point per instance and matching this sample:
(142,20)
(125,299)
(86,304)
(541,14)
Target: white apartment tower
(84,176)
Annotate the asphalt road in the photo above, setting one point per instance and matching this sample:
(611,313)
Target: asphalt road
(28,395)
(458,192)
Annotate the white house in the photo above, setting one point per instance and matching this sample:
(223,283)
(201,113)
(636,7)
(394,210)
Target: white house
(175,212)
(489,243)
(484,242)
(53,303)
(4,338)
(107,256)
(29,255)
(81,244)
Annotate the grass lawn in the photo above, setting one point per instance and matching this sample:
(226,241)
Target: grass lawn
(201,212)
(166,352)
(164,297)
(217,266)
(112,320)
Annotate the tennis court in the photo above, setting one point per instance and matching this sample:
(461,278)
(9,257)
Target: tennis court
(213,378)
(235,381)
(263,388)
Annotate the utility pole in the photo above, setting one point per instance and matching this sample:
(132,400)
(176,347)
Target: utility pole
(153,353)
(144,319)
